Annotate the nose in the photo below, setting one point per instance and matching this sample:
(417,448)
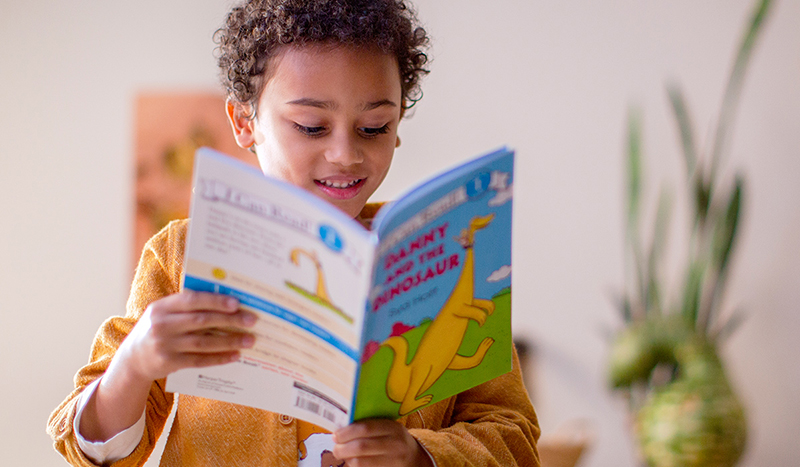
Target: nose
(344,150)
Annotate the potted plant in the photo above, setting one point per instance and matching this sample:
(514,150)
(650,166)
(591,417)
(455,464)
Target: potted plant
(666,358)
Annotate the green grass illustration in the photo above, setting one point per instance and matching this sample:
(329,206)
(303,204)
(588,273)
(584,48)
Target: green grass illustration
(321,301)
(371,397)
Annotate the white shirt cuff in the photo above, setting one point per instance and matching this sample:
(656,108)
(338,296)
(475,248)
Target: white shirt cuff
(433,461)
(119,446)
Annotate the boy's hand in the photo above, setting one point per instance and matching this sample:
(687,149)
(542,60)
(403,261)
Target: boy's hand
(184,330)
(378,442)
(178,331)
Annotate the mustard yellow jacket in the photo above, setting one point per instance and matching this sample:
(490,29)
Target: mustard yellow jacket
(492,424)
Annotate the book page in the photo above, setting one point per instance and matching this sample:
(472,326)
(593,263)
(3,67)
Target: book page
(302,267)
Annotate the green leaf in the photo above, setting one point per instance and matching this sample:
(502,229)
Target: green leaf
(634,167)
(730,326)
(702,197)
(725,226)
(691,291)
(684,126)
(625,309)
(653,297)
(725,233)
(734,87)
(634,173)
(623,304)
(656,253)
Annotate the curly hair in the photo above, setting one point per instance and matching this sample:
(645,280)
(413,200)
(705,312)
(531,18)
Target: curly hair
(255,29)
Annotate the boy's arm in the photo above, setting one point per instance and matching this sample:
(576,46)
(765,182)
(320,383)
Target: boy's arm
(158,275)
(118,447)
(61,423)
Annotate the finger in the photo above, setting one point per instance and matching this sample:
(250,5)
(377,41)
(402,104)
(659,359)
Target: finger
(156,357)
(357,448)
(189,300)
(200,360)
(366,428)
(213,342)
(372,447)
(168,323)
(378,461)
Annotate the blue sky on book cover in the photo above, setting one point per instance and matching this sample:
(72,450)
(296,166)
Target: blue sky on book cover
(424,265)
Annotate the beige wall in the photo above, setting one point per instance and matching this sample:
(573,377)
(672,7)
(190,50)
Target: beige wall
(552,79)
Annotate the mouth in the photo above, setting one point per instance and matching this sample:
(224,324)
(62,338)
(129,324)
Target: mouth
(334,184)
(341,189)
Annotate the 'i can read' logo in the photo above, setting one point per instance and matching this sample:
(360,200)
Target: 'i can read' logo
(331,238)
(478,185)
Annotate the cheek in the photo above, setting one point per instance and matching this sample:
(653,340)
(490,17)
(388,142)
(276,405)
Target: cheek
(280,157)
(290,167)
(270,160)
(387,162)
(385,159)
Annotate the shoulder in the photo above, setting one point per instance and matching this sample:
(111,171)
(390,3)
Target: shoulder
(169,243)
(173,235)
(161,265)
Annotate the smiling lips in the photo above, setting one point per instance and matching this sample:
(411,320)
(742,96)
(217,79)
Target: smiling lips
(339,189)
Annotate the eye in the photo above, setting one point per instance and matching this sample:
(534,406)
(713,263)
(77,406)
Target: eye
(310,130)
(371,132)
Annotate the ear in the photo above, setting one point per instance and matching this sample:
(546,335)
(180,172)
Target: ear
(241,123)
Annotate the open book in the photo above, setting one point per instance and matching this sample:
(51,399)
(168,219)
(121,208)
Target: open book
(354,323)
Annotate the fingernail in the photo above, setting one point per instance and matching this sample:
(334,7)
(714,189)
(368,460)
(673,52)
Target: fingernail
(248,319)
(232,303)
(248,341)
(338,434)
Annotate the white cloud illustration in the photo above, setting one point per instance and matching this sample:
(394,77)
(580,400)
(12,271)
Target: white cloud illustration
(500,274)
(501,196)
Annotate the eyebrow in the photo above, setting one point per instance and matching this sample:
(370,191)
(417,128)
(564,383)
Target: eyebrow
(320,104)
(380,103)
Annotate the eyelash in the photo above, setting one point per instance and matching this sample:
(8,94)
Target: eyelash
(318,131)
(312,131)
(374,132)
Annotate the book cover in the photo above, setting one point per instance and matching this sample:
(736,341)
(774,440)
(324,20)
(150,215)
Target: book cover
(354,323)
(438,319)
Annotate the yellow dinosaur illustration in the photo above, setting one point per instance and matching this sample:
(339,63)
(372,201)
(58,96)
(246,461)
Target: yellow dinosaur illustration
(320,295)
(321,290)
(438,348)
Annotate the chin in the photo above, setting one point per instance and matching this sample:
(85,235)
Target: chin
(352,209)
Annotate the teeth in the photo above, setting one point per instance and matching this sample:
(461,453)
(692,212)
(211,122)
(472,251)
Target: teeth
(331,184)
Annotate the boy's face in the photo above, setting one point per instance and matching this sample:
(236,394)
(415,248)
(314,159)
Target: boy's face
(326,121)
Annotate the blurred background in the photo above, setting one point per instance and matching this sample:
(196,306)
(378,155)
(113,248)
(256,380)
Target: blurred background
(554,80)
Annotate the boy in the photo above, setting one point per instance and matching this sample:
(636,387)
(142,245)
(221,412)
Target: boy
(316,88)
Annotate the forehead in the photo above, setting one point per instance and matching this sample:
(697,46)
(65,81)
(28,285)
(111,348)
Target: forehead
(333,72)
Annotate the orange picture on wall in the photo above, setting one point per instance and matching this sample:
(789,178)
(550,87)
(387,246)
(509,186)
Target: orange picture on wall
(169,127)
